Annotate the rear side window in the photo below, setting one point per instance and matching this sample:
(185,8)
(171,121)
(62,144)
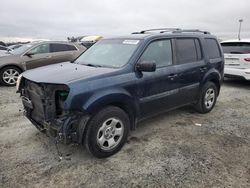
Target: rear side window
(236,47)
(59,47)
(188,50)
(213,48)
(159,52)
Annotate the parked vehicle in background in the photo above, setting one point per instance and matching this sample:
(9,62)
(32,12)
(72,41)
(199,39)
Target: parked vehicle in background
(2,43)
(4,50)
(88,41)
(36,54)
(119,81)
(14,46)
(237,58)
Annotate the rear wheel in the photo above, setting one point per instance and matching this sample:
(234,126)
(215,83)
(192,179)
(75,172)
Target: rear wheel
(9,75)
(107,132)
(207,98)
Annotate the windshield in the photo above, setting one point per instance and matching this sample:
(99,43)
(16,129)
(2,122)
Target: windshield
(109,53)
(22,49)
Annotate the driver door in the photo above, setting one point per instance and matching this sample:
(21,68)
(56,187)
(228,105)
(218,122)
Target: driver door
(38,56)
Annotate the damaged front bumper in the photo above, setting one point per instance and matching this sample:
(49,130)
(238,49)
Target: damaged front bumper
(44,109)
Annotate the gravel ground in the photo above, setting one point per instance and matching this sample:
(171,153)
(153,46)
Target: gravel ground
(169,150)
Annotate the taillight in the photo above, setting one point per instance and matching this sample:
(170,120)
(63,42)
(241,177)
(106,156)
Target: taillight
(247,59)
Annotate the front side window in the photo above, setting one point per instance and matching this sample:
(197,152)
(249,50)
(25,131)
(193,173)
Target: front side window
(187,50)
(236,47)
(41,49)
(159,52)
(109,53)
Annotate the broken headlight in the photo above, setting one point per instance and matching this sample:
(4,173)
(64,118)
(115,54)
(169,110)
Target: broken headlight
(61,96)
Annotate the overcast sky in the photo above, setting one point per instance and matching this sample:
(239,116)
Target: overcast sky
(57,19)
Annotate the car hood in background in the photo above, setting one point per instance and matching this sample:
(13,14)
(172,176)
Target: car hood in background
(9,59)
(64,73)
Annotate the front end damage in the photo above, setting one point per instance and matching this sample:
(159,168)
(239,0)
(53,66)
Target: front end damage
(44,106)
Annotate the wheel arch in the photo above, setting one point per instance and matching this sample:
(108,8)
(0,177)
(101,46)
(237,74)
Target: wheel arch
(12,65)
(120,99)
(213,76)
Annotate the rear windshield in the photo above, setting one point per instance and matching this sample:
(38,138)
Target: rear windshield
(236,47)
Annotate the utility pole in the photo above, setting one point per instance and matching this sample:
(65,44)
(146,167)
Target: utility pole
(240,20)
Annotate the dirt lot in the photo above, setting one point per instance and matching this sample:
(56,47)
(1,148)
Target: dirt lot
(166,151)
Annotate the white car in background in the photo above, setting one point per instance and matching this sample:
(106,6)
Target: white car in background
(237,58)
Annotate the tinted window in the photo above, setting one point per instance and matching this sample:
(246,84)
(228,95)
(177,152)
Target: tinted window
(236,47)
(159,52)
(71,47)
(212,49)
(59,47)
(188,50)
(43,48)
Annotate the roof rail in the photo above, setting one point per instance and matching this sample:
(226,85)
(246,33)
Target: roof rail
(191,31)
(173,30)
(162,30)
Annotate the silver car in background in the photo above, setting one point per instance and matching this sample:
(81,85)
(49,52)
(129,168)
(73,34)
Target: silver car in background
(33,55)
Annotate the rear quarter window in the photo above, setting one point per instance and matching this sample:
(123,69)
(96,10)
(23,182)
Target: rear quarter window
(213,49)
(71,47)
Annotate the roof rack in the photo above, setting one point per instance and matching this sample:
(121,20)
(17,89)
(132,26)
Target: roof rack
(162,30)
(191,31)
(173,30)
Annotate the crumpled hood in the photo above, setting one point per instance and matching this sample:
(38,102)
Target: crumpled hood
(64,73)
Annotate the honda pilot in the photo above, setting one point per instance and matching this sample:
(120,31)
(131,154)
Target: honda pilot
(100,97)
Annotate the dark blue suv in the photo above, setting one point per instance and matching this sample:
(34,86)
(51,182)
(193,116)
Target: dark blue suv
(97,99)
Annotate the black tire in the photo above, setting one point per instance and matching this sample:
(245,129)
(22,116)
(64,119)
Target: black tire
(202,106)
(95,125)
(3,70)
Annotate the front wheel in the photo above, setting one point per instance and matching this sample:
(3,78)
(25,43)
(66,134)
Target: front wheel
(107,132)
(9,75)
(207,98)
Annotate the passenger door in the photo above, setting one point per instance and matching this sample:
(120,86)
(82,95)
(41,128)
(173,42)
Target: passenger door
(39,56)
(157,90)
(191,67)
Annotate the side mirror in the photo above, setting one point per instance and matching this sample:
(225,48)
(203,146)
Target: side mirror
(146,66)
(29,54)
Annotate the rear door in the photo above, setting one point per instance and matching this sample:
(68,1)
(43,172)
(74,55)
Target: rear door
(237,54)
(191,67)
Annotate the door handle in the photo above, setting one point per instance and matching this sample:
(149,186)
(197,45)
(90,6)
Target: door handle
(172,76)
(203,69)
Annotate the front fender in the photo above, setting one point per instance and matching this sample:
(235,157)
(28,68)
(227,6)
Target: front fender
(111,96)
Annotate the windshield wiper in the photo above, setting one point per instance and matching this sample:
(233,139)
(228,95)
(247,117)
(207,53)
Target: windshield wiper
(92,65)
